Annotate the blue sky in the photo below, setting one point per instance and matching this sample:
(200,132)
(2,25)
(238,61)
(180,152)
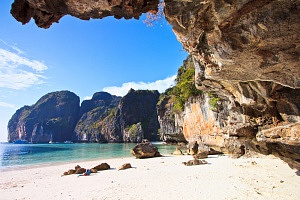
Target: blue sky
(83,57)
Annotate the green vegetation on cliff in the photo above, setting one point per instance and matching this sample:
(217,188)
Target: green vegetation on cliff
(213,101)
(185,85)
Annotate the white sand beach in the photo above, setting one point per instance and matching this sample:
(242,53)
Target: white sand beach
(261,177)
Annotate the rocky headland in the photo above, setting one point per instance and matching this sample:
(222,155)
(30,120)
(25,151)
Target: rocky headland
(52,118)
(58,117)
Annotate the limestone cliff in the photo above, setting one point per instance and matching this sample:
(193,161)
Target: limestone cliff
(247,54)
(171,123)
(137,116)
(91,115)
(52,117)
(57,117)
(171,104)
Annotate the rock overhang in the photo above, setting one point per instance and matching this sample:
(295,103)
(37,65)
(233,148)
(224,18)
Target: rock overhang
(246,52)
(47,12)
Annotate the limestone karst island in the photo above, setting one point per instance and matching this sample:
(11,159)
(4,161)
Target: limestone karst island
(228,129)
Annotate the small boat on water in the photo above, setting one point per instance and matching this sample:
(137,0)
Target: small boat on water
(21,142)
(68,142)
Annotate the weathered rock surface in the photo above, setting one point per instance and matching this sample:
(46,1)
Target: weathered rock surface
(136,117)
(125,166)
(145,150)
(102,166)
(170,122)
(246,53)
(52,117)
(91,116)
(45,12)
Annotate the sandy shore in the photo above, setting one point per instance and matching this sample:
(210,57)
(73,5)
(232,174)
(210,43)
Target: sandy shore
(262,177)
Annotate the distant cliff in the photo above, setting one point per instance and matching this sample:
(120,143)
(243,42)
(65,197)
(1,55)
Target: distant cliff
(107,118)
(57,117)
(134,119)
(137,116)
(91,115)
(52,117)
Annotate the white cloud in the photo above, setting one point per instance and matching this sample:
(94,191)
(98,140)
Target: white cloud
(19,51)
(18,72)
(7,105)
(87,98)
(160,85)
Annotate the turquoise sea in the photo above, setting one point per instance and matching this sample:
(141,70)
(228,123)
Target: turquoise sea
(14,155)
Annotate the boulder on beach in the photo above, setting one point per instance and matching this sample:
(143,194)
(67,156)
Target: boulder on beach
(77,170)
(195,162)
(80,171)
(145,150)
(77,167)
(200,155)
(94,171)
(71,171)
(102,166)
(125,166)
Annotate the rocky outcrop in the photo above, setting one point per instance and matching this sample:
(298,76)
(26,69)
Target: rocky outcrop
(136,117)
(92,114)
(52,117)
(102,166)
(171,104)
(46,12)
(170,122)
(247,54)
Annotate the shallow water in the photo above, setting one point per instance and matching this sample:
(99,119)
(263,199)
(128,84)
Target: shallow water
(12,155)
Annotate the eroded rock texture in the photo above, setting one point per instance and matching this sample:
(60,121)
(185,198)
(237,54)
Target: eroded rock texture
(92,115)
(45,12)
(52,118)
(170,123)
(247,53)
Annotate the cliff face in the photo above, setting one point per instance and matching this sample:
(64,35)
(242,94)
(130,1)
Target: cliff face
(91,115)
(129,119)
(57,117)
(171,123)
(53,117)
(246,53)
(136,116)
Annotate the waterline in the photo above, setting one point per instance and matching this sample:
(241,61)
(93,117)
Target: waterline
(13,155)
